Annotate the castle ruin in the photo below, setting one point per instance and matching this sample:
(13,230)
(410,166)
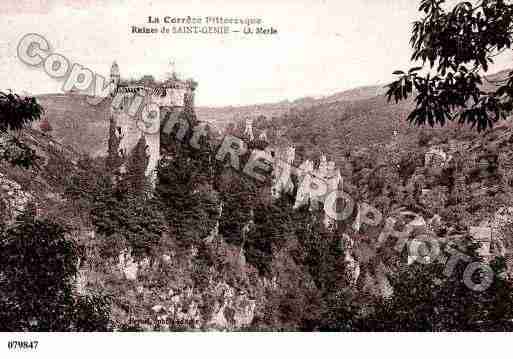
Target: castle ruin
(139,108)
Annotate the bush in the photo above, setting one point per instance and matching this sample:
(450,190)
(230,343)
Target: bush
(37,276)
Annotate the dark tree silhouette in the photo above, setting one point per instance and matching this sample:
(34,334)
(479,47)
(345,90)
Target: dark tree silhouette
(456,46)
(425,299)
(39,265)
(17,113)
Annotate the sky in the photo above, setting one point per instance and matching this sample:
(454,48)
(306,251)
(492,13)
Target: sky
(322,46)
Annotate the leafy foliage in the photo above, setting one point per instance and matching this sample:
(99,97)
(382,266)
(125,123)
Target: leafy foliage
(271,229)
(37,276)
(189,208)
(134,180)
(134,218)
(426,300)
(458,44)
(17,113)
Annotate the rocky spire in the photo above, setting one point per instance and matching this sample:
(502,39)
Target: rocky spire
(305,169)
(282,170)
(114,72)
(248,131)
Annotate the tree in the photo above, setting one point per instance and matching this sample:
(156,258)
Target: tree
(120,213)
(425,299)
(113,160)
(17,113)
(39,265)
(458,45)
(272,228)
(134,179)
(189,204)
(238,195)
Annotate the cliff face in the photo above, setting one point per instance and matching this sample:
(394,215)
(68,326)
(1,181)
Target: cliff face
(162,293)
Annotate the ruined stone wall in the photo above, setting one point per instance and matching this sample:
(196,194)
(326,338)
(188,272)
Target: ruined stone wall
(130,130)
(131,127)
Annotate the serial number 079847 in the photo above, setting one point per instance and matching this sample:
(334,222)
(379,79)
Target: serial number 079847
(22,344)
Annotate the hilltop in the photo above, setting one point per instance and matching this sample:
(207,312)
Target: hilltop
(223,115)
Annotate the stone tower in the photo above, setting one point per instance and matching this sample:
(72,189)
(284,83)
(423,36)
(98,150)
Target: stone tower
(139,108)
(248,131)
(115,75)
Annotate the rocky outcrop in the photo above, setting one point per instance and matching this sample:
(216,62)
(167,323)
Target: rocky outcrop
(127,265)
(219,307)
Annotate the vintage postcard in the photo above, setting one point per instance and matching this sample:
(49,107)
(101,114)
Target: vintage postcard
(255,166)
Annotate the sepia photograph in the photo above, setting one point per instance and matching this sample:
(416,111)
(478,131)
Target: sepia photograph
(262,176)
